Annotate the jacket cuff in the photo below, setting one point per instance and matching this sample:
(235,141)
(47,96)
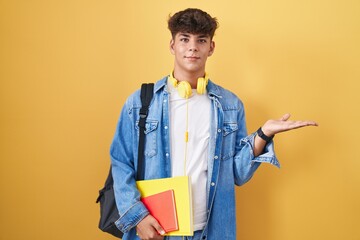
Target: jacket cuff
(268,155)
(132,217)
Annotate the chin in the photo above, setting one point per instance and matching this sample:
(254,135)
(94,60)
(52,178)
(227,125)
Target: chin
(194,69)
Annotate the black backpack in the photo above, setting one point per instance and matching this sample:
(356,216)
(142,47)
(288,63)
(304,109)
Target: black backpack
(109,213)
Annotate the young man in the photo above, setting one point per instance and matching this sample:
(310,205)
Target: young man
(218,152)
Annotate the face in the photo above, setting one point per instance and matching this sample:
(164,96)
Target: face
(191,52)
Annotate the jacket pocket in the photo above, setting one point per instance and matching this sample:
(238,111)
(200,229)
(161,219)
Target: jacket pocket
(150,137)
(229,139)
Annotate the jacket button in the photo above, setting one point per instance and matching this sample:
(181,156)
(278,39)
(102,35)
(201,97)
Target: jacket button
(212,184)
(204,237)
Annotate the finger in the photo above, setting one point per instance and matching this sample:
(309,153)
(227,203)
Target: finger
(299,124)
(285,117)
(158,227)
(146,229)
(309,123)
(312,123)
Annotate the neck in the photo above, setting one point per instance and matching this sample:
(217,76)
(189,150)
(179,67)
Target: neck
(190,77)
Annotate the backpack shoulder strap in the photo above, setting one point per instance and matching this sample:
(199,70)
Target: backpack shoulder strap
(147,92)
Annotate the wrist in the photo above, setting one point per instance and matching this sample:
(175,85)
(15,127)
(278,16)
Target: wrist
(265,136)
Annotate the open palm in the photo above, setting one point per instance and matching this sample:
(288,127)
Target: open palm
(272,127)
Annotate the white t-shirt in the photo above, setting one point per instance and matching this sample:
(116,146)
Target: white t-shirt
(197,147)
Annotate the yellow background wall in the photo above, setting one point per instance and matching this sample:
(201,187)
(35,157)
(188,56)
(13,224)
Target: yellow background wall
(66,68)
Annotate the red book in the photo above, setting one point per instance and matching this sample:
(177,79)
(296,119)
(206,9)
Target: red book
(162,207)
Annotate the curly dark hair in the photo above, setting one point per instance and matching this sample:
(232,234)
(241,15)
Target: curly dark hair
(193,21)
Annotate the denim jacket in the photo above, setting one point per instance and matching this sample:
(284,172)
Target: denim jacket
(231,160)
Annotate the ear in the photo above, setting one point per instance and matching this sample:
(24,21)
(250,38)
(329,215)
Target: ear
(172,42)
(212,48)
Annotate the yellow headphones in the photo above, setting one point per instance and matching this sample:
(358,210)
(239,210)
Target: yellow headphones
(184,88)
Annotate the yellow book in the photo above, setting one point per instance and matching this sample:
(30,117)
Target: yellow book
(183,200)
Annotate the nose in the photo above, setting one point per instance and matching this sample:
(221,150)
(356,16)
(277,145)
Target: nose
(193,46)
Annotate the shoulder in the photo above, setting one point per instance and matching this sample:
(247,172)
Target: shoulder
(227,99)
(134,100)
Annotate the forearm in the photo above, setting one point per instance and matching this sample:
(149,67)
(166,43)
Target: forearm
(259,145)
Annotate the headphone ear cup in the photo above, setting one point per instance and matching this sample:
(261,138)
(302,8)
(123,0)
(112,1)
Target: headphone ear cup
(184,89)
(201,85)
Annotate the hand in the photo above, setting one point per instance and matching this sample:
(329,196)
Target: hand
(150,229)
(272,127)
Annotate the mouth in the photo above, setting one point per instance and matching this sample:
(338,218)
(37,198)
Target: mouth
(192,58)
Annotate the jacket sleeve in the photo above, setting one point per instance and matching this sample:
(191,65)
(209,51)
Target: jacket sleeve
(245,163)
(123,152)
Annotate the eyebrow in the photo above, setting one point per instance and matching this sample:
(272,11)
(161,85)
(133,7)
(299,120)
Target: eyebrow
(204,36)
(184,35)
(199,36)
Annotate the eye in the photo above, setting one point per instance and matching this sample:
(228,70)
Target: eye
(184,39)
(202,40)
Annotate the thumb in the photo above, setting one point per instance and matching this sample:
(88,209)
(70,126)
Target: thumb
(285,117)
(158,227)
